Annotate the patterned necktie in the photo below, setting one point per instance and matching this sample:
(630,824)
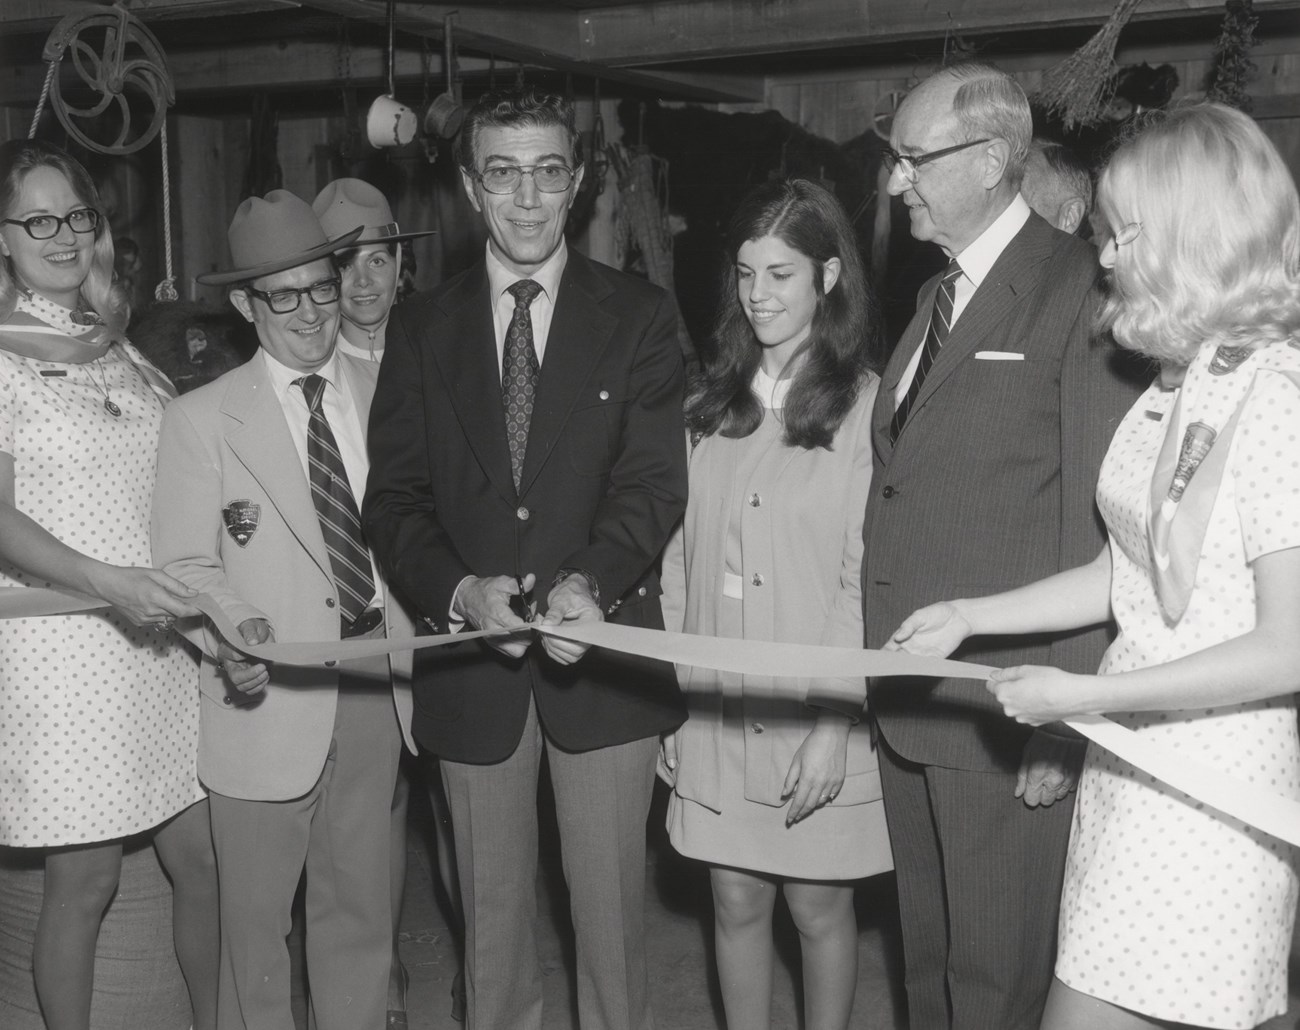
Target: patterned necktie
(519,374)
(340,523)
(935,337)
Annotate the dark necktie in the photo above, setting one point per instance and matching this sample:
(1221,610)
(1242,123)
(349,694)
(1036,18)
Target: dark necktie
(340,523)
(935,337)
(519,374)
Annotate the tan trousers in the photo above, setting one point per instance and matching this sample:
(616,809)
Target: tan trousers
(339,833)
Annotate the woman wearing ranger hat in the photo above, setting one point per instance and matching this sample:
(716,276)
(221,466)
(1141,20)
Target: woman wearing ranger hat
(372,269)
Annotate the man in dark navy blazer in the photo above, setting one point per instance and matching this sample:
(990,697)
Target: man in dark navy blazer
(991,422)
(560,519)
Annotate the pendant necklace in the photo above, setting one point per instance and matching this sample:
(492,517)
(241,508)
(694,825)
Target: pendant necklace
(109,406)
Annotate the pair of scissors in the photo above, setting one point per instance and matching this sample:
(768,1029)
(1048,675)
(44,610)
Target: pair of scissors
(522,603)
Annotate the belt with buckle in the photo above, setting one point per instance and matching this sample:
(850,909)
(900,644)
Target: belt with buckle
(364,623)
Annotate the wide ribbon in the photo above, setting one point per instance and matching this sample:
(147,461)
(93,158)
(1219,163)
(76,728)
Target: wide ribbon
(1259,807)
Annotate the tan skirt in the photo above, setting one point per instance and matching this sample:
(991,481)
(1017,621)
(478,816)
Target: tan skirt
(836,842)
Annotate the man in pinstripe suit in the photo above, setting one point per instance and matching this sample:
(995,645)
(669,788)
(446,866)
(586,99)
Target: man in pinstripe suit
(991,422)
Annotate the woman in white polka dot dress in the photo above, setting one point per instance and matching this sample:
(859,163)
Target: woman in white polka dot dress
(1173,912)
(98,711)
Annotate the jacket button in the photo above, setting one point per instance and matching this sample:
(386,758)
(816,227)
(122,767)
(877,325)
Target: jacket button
(329,602)
(640,591)
(226,701)
(330,663)
(604,395)
(755,500)
(522,513)
(758,579)
(756,727)
(888,492)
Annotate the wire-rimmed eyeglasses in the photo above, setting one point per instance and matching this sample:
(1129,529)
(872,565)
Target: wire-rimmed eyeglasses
(288,300)
(501,179)
(46,227)
(909,165)
(1127,233)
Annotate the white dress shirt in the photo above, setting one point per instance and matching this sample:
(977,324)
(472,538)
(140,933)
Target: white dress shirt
(341,413)
(542,309)
(976,261)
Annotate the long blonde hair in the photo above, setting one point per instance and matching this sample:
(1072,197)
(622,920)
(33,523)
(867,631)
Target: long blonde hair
(101,294)
(1217,259)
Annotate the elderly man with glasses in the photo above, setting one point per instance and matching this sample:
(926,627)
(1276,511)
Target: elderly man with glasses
(993,416)
(260,476)
(529,462)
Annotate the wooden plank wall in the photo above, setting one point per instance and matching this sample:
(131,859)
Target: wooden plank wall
(839,105)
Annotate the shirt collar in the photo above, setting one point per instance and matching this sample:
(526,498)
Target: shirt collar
(501,278)
(977,259)
(283,377)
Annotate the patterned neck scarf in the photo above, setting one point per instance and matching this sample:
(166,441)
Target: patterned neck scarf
(1194,457)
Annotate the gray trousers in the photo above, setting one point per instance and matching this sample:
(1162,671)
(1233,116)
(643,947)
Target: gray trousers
(602,799)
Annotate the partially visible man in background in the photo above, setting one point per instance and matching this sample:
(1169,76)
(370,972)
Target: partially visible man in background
(1057,185)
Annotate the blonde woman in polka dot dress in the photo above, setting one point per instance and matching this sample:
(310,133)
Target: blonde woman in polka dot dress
(98,712)
(1173,912)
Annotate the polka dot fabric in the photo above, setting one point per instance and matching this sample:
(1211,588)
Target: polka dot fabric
(1169,908)
(98,719)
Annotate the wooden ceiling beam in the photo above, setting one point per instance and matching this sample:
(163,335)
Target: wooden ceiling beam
(541,37)
(690,30)
(546,38)
(22,16)
(271,65)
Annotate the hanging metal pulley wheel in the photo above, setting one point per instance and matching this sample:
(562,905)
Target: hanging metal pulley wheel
(117,100)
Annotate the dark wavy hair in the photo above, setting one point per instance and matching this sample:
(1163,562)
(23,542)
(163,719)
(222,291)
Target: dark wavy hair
(845,324)
(17,159)
(516,109)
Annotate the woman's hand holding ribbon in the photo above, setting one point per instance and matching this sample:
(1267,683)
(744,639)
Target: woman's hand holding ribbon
(934,631)
(1038,694)
(145,596)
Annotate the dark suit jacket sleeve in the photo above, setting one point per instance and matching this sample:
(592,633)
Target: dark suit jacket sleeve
(646,491)
(1098,384)
(401,519)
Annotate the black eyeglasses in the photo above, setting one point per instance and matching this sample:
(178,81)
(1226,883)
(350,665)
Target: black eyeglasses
(285,301)
(46,227)
(501,179)
(910,164)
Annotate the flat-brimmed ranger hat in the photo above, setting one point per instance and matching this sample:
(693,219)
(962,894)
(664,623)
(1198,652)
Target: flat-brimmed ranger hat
(269,234)
(345,202)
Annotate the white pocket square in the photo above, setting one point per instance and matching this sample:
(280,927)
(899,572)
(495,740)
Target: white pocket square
(998,355)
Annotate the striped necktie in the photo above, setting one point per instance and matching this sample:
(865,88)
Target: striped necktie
(519,370)
(340,522)
(935,337)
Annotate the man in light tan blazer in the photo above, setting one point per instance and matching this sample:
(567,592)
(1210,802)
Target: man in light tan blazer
(300,762)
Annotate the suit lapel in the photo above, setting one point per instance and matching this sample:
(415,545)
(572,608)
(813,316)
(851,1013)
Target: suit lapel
(467,355)
(883,413)
(1011,279)
(580,331)
(261,441)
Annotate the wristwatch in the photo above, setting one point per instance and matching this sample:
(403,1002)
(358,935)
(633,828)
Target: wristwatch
(564,574)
